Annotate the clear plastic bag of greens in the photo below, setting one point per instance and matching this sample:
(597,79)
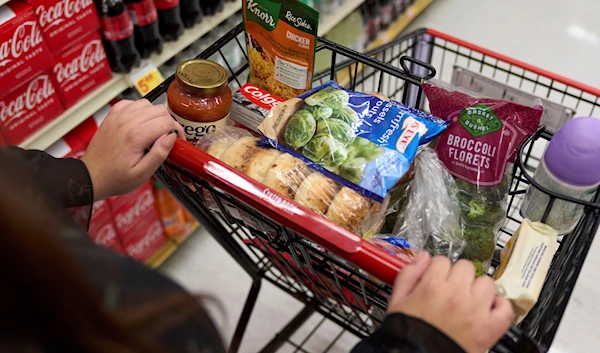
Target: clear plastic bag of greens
(430,218)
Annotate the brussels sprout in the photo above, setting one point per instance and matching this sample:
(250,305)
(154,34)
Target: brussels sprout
(345,114)
(325,150)
(318,112)
(353,169)
(328,97)
(299,129)
(340,131)
(363,148)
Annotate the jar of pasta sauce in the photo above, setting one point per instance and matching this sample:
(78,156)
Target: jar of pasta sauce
(199,97)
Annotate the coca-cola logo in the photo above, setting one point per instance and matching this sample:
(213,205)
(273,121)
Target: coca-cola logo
(142,204)
(90,56)
(153,233)
(106,235)
(97,207)
(38,91)
(25,37)
(59,12)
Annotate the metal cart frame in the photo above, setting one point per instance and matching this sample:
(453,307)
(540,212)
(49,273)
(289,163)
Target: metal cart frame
(334,272)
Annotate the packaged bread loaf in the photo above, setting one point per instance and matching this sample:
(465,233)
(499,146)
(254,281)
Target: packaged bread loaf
(294,179)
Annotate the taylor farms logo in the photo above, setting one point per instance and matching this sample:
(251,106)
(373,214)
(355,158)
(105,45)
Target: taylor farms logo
(264,12)
(479,120)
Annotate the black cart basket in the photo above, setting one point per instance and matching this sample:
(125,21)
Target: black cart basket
(334,272)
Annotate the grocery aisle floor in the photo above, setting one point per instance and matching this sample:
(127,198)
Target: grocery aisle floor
(556,35)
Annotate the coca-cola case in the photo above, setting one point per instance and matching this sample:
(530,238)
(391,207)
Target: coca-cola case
(23,51)
(137,223)
(102,229)
(28,108)
(64,22)
(80,69)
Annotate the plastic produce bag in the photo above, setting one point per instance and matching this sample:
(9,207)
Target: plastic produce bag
(292,178)
(430,218)
(478,148)
(360,140)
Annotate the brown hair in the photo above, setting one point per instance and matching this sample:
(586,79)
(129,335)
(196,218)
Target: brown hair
(45,301)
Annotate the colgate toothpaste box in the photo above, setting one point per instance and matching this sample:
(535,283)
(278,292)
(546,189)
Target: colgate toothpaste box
(102,230)
(251,105)
(28,108)
(23,51)
(64,22)
(80,69)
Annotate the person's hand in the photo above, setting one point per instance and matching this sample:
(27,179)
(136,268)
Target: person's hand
(115,157)
(451,299)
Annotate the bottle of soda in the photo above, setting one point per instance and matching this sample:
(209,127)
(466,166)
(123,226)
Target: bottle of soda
(169,19)
(211,7)
(190,12)
(145,22)
(117,31)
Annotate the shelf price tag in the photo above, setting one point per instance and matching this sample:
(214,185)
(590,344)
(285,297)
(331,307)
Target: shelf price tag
(145,78)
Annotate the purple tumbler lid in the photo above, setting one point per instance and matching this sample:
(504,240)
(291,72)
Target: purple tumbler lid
(573,155)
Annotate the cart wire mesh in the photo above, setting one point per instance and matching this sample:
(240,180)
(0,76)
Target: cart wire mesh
(331,286)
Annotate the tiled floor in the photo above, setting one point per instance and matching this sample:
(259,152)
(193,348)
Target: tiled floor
(557,35)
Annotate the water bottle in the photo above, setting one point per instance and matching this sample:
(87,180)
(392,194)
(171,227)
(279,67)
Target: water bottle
(570,167)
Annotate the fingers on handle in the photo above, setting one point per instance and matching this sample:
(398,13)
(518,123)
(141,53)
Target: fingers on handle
(501,316)
(120,105)
(408,277)
(462,274)
(155,157)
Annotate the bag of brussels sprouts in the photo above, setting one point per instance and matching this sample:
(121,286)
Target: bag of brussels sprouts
(361,141)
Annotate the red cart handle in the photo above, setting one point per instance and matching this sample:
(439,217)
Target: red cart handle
(287,212)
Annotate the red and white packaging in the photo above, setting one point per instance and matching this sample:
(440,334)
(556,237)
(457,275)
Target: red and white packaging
(28,108)
(75,142)
(137,223)
(102,229)
(64,22)
(80,69)
(23,51)
(251,105)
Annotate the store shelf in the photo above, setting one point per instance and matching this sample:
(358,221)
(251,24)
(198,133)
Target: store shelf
(345,9)
(162,254)
(52,132)
(388,35)
(2,2)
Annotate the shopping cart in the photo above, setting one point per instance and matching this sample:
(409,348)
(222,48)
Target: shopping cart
(336,273)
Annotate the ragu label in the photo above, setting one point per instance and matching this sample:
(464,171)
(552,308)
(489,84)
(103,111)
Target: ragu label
(65,21)
(195,130)
(142,13)
(80,69)
(28,108)
(143,204)
(260,97)
(118,27)
(26,37)
(281,38)
(165,4)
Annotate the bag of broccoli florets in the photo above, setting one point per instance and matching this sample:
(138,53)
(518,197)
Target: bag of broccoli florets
(360,140)
(478,149)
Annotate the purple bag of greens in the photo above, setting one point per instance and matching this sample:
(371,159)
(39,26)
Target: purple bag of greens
(482,139)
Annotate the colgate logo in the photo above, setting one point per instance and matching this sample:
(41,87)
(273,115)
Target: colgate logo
(26,37)
(60,11)
(106,235)
(153,233)
(142,204)
(260,97)
(90,56)
(39,90)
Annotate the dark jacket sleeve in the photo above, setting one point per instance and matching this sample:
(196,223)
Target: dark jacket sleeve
(400,333)
(67,180)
